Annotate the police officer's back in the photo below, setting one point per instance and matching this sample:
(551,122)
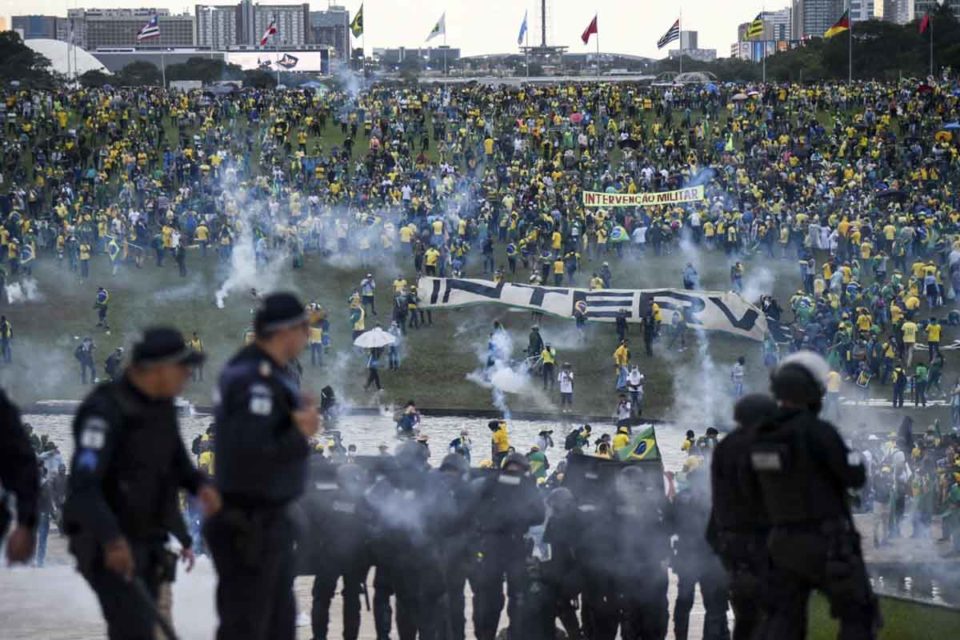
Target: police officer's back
(128,465)
(18,475)
(510,504)
(739,526)
(262,428)
(804,470)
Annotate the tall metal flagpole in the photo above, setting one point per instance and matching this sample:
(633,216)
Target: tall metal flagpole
(596,17)
(276,50)
(930,26)
(526,50)
(849,47)
(680,37)
(763,45)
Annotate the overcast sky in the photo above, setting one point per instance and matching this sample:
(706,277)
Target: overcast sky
(491,26)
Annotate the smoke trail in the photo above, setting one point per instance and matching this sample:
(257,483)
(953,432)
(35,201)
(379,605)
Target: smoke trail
(27,290)
(245,272)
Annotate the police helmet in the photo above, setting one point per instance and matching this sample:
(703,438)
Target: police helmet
(751,410)
(455,463)
(352,478)
(411,454)
(800,379)
(561,500)
(515,459)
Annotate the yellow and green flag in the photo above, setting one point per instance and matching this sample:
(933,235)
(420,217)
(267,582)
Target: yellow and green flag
(755,28)
(642,446)
(357,25)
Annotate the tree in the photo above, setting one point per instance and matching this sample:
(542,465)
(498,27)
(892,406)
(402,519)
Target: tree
(139,74)
(259,79)
(95,78)
(20,63)
(206,70)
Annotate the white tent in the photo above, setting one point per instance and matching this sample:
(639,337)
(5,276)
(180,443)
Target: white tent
(64,58)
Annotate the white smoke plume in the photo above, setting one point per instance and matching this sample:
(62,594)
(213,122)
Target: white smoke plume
(27,290)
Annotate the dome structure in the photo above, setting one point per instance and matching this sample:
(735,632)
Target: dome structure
(65,59)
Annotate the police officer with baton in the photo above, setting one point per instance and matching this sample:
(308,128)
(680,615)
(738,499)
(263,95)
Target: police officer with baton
(263,424)
(128,465)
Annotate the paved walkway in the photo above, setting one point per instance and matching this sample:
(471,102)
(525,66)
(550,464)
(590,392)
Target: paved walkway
(54,603)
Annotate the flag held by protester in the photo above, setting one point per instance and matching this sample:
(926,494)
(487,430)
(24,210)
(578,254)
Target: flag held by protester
(843,24)
(672,34)
(269,33)
(439,29)
(357,25)
(642,446)
(589,31)
(755,28)
(149,30)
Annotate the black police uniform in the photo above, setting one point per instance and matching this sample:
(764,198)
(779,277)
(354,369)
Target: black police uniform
(738,528)
(695,563)
(510,504)
(128,465)
(558,572)
(409,511)
(644,527)
(804,469)
(18,467)
(335,545)
(261,468)
(454,547)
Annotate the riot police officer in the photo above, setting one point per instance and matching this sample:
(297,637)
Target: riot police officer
(19,476)
(338,539)
(510,504)
(804,470)
(263,424)
(128,465)
(644,525)
(695,563)
(738,522)
(409,512)
(454,545)
(558,571)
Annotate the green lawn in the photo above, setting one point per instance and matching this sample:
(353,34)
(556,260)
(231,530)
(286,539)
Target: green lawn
(902,620)
(680,385)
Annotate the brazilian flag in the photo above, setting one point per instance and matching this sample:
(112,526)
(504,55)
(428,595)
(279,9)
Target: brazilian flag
(357,25)
(642,446)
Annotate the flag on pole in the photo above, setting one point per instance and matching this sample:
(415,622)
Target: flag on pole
(642,446)
(269,33)
(590,30)
(149,30)
(357,25)
(440,28)
(673,33)
(925,23)
(523,29)
(755,28)
(843,24)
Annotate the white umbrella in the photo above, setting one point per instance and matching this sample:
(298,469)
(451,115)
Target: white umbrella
(376,338)
(739,97)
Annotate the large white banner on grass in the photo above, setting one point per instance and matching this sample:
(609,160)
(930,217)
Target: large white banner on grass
(710,310)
